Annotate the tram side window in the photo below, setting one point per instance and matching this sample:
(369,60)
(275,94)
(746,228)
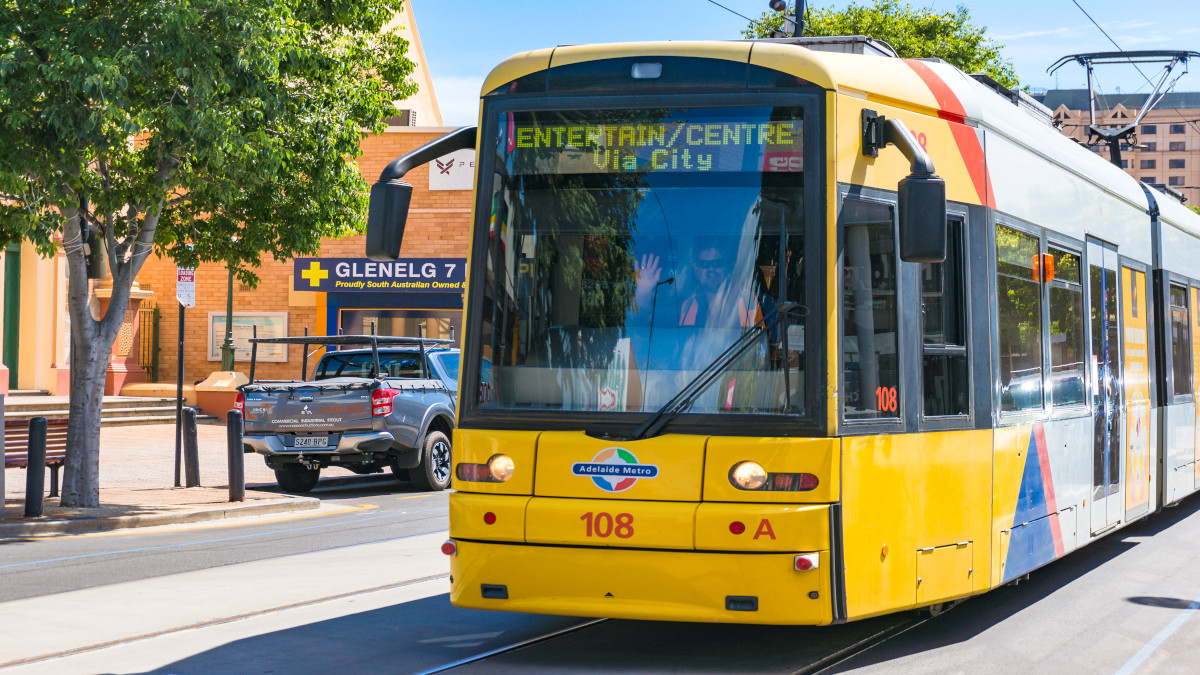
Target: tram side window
(944,330)
(1181,341)
(1068,381)
(869,340)
(1019,300)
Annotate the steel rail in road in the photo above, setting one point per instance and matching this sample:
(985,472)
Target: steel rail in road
(512,647)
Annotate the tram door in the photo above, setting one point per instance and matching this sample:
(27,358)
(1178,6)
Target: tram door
(1106,385)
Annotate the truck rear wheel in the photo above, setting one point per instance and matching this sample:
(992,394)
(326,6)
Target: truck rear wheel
(297,478)
(434,472)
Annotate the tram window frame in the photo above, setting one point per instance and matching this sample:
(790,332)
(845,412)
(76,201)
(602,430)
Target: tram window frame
(1173,282)
(1036,411)
(1054,246)
(879,423)
(955,308)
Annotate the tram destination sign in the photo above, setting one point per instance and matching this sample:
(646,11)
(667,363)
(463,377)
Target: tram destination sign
(406,275)
(701,145)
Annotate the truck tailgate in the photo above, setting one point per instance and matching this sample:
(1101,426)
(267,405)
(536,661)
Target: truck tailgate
(334,405)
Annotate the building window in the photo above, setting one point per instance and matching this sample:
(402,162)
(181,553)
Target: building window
(1149,129)
(944,330)
(1181,341)
(1175,163)
(1067,375)
(1151,147)
(1020,312)
(1149,163)
(1178,129)
(869,340)
(1178,146)
(1175,180)
(1149,179)
(1124,164)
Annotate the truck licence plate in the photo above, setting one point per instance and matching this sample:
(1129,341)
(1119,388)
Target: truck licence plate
(311,442)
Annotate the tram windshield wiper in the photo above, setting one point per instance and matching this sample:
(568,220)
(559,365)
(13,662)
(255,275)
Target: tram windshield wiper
(698,384)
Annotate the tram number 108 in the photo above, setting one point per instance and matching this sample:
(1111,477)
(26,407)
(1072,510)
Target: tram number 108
(885,399)
(604,525)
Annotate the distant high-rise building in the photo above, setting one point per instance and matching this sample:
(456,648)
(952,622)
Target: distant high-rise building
(1165,147)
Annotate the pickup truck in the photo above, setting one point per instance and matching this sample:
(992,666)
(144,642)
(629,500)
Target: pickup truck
(387,403)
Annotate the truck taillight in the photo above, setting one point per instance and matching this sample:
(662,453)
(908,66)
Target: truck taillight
(381,401)
(239,403)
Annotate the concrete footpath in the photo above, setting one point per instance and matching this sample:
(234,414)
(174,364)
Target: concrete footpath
(137,476)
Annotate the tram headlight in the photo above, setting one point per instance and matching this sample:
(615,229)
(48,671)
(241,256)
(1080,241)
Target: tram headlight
(501,467)
(748,475)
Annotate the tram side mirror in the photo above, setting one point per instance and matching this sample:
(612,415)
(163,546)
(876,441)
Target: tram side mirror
(922,218)
(386,217)
(391,195)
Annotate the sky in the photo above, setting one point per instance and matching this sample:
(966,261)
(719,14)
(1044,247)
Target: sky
(465,39)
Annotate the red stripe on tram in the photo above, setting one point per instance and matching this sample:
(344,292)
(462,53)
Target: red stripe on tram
(1039,435)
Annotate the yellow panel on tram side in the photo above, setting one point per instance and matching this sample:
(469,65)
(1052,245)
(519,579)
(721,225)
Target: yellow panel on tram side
(1008,465)
(610,523)
(955,149)
(1196,380)
(469,516)
(833,271)
(476,446)
(758,528)
(908,492)
(816,456)
(640,584)
(573,464)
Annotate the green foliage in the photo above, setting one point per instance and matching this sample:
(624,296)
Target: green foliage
(1195,208)
(225,125)
(915,32)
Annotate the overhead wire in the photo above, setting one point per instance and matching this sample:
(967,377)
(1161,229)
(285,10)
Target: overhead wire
(1135,66)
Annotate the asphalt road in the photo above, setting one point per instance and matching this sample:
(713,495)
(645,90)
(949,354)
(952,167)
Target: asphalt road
(1123,605)
(354,511)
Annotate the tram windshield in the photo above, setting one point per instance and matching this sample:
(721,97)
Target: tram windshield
(629,247)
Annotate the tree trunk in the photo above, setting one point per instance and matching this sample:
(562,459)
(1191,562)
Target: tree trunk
(89,366)
(91,344)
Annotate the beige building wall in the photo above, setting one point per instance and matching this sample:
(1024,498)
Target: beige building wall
(424,102)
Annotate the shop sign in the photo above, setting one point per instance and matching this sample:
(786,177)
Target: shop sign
(455,171)
(335,275)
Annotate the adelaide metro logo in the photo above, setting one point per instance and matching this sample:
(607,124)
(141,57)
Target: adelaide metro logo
(614,469)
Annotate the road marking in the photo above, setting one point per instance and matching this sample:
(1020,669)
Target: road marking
(1153,645)
(159,529)
(229,619)
(214,541)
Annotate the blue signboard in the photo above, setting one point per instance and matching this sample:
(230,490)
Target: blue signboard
(334,275)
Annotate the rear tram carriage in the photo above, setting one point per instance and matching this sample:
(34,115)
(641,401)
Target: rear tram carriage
(797,332)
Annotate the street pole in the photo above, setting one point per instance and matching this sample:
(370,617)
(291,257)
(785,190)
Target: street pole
(227,346)
(179,399)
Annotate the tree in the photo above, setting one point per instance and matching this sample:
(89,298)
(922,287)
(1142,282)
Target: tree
(1196,209)
(914,32)
(211,130)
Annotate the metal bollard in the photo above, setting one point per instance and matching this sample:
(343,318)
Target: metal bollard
(237,461)
(35,468)
(191,450)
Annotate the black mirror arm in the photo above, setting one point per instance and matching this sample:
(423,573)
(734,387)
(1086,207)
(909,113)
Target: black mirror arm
(895,132)
(460,139)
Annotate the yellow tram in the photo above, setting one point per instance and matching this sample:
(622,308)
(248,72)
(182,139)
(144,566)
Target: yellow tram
(797,332)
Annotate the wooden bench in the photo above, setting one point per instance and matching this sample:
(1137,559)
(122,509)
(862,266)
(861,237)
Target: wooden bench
(16,446)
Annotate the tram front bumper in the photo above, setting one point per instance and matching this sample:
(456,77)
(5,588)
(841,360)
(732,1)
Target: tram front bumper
(681,561)
(633,584)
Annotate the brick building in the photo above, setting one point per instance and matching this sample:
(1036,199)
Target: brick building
(35,338)
(438,225)
(1166,147)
